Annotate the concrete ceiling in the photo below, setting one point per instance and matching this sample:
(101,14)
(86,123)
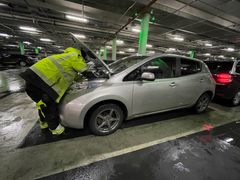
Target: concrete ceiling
(199,21)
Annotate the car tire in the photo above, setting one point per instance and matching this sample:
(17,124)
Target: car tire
(105,119)
(22,63)
(202,103)
(236,99)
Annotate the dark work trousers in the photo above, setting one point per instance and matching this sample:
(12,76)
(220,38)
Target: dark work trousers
(50,111)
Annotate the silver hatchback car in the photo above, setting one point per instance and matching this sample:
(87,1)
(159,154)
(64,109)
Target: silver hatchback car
(137,86)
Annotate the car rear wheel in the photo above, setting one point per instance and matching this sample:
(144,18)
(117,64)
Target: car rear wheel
(23,63)
(202,103)
(106,119)
(236,99)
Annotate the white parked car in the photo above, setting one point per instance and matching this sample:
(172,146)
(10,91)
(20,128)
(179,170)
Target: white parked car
(137,86)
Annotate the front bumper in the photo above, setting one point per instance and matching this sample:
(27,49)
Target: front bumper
(70,115)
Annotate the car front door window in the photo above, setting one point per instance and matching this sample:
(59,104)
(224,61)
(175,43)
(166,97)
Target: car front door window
(163,67)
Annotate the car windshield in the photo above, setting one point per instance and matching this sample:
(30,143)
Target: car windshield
(125,63)
(218,66)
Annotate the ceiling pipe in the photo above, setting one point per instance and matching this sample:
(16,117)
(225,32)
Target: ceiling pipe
(142,11)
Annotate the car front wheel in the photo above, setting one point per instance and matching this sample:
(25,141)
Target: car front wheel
(106,119)
(202,103)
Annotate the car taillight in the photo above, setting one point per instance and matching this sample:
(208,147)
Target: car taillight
(223,78)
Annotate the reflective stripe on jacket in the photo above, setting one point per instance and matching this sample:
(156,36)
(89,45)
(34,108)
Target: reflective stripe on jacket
(59,71)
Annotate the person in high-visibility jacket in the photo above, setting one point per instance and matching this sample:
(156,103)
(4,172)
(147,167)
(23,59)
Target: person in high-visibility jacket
(47,81)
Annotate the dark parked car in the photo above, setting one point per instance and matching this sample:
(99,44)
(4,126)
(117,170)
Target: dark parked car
(16,59)
(227,77)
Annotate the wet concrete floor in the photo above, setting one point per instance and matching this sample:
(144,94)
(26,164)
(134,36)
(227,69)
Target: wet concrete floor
(26,152)
(213,154)
(37,136)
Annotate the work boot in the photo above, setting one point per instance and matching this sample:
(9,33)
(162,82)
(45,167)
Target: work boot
(43,125)
(59,130)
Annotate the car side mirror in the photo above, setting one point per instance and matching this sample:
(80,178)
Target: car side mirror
(148,76)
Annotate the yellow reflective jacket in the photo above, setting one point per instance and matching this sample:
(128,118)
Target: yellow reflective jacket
(58,71)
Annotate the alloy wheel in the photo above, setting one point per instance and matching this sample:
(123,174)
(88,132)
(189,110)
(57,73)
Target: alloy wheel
(107,120)
(236,99)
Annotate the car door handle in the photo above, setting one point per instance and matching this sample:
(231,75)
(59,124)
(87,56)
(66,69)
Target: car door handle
(173,84)
(201,80)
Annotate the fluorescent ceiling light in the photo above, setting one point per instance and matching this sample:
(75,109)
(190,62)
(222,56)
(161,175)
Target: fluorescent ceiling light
(26,28)
(101,50)
(171,50)
(149,46)
(208,45)
(221,56)
(136,30)
(58,46)
(78,19)
(120,41)
(39,47)
(109,47)
(30,32)
(207,54)
(4,35)
(178,38)
(121,52)
(45,40)
(230,49)
(2,4)
(131,50)
(26,42)
(232,58)
(228,140)
(151,52)
(80,36)
(12,45)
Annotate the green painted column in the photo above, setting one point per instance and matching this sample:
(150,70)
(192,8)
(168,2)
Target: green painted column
(192,54)
(101,53)
(114,49)
(21,47)
(104,53)
(36,50)
(143,35)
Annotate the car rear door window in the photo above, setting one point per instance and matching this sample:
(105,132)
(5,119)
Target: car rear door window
(189,67)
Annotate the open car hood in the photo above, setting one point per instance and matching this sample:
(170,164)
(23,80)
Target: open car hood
(91,56)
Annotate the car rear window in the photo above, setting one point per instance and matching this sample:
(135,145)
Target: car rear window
(216,67)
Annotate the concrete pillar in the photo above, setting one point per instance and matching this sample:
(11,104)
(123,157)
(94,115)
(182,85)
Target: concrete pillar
(105,53)
(143,35)
(21,47)
(114,49)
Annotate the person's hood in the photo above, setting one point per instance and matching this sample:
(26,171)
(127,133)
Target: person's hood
(71,49)
(94,58)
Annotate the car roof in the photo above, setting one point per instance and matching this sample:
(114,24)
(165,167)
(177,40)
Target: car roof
(165,55)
